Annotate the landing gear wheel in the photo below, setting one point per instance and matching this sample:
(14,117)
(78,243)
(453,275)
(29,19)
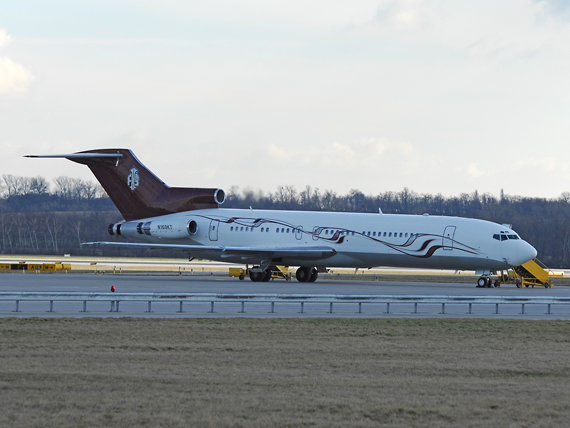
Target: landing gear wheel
(482,282)
(314,275)
(488,282)
(303,274)
(497,284)
(256,276)
(267,276)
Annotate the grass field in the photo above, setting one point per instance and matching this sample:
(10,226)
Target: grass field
(283,372)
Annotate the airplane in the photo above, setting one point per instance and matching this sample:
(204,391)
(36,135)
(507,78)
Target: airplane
(190,220)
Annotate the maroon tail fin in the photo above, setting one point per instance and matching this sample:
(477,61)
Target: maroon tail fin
(137,192)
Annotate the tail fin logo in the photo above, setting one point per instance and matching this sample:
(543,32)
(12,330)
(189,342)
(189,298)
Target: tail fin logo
(133,179)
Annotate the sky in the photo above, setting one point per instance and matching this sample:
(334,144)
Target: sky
(433,95)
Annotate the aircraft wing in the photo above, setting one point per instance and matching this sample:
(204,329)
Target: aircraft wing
(245,254)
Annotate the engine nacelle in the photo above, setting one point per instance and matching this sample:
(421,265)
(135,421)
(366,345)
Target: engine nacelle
(165,228)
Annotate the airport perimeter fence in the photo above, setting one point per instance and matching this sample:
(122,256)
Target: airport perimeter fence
(390,301)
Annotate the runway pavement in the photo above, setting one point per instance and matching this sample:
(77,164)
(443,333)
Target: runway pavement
(157,283)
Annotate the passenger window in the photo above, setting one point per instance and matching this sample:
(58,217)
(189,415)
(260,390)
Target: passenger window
(231,229)
(401,234)
(369,233)
(390,234)
(373,233)
(262,229)
(282,230)
(406,235)
(277,230)
(287,230)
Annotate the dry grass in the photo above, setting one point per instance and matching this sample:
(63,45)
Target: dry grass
(283,372)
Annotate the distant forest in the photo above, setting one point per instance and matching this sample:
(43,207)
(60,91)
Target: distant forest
(39,218)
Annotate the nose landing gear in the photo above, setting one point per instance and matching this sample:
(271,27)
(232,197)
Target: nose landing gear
(485,281)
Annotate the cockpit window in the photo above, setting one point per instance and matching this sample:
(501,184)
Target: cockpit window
(503,236)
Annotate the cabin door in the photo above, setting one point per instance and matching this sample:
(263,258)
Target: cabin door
(299,232)
(214,226)
(448,235)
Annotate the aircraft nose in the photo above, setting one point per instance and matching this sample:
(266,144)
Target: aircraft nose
(525,252)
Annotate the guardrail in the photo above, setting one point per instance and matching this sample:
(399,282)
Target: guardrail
(116,298)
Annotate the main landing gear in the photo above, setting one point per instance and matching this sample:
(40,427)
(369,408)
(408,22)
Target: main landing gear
(260,276)
(303,274)
(307,274)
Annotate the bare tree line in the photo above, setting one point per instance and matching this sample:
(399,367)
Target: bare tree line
(65,187)
(38,218)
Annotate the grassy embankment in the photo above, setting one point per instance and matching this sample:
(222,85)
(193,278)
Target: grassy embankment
(283,372)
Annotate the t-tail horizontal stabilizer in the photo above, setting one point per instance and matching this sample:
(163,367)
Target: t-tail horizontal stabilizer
(135,190)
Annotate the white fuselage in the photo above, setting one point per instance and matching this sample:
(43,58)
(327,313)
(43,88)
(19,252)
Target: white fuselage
(358,239)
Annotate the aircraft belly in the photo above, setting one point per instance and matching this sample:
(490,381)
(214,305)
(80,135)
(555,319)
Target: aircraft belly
(444,261)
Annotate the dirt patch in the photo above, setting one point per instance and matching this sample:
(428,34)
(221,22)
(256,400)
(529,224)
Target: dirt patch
(283,372)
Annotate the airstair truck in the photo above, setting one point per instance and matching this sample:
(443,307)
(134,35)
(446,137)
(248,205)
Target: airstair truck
(532,273)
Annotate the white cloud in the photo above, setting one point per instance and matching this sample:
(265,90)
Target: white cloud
(474,171)
(5,38)
(344,149)
(13,77)
(400,14)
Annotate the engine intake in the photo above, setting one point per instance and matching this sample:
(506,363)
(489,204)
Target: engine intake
(219,196)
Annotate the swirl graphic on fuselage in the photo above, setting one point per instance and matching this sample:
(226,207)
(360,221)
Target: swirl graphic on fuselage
(419,245)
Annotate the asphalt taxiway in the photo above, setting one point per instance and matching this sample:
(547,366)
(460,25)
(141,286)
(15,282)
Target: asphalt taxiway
(168,283)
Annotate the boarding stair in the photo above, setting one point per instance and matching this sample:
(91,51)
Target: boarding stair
(532,273)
